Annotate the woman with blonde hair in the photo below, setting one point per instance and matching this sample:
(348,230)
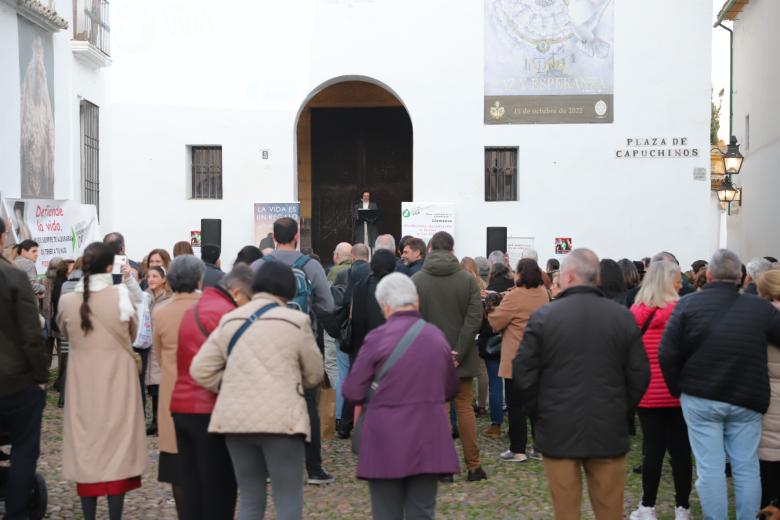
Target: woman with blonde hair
(660,414)
(471,267)
(769,448)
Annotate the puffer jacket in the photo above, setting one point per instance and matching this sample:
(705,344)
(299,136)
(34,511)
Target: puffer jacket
(23,360)
(188,396)
(581,369)
(657,394)
(730,365)
(261,383)
(769,448)
(449,299)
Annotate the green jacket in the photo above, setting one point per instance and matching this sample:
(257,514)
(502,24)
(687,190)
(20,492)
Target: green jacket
(336,269)
(449,298)
(23,360)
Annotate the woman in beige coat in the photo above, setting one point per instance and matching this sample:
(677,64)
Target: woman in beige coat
(104,446)
(510,319)
(259,360)
(769,448)
(185,277)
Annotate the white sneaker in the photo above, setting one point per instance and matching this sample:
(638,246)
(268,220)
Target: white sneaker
(681,513)
(644,513)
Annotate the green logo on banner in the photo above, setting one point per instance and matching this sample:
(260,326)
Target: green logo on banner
(407,213)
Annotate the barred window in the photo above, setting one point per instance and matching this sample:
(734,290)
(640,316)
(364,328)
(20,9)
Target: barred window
(90,153)
(206,172)
(500,174)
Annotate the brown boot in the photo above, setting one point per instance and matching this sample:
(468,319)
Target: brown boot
(494,430)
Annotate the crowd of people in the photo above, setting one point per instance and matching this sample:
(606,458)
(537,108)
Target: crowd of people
(233,364)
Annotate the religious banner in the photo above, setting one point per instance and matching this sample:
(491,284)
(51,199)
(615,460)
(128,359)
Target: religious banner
(62,228)
(563,245)
(549,61)
(196,241)
(424,219)
(266,213)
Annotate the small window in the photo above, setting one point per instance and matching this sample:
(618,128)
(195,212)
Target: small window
(206,172)
(500,174)
(90,153)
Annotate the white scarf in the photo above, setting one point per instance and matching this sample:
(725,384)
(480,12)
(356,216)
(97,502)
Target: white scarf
(98,282)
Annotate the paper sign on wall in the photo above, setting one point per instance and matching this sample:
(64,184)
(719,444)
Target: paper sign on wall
(516,248)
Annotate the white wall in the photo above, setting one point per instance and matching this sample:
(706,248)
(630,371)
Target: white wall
(206,76)
(72,82)
(753,232)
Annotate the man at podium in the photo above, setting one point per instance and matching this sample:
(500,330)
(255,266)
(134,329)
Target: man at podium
(364,216)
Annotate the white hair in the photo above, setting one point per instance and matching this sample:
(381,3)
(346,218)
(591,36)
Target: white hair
(758,266)
(725,266)
(385,242)
(584,264)
(530,253)
(396,290)
(496,257)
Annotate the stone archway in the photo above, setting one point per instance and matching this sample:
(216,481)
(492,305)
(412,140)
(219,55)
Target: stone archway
(352,136)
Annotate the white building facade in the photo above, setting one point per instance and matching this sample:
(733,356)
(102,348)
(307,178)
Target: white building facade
(752,232)
(253,80)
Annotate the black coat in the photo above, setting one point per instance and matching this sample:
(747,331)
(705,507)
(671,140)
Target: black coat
(730,365)
(582,367)
(366,313)
(23,359)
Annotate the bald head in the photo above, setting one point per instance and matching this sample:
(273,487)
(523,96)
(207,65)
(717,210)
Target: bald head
(342,252)
(580,267)
(359,252)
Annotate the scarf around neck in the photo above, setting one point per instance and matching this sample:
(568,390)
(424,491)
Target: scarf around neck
(99,282)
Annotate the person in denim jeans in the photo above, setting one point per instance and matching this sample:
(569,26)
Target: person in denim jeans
(713,354)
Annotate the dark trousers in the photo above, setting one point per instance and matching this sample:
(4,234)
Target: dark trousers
(518,418)
(412,498)
(154,394)
(664,429)
(347,422)
(208,480)
(770,482)
(20,416)
(144,353)
(313,455)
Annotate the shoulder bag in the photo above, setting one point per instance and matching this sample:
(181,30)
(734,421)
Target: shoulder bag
(248,323)
(399,350)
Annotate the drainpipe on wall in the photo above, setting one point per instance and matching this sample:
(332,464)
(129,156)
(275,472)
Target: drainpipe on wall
(723,235)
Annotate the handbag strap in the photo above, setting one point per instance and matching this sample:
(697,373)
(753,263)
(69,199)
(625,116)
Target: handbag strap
(648,321)
(248,323)
(196,315)
(399,350)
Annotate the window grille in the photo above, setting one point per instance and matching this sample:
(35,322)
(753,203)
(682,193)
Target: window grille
(500,174)
(91,24)
(206,172)
(90,153)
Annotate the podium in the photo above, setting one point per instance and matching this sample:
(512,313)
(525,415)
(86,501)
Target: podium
(366,217)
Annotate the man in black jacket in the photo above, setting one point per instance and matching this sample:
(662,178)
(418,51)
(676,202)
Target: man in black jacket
(714,354)
(23,376)
(581,367)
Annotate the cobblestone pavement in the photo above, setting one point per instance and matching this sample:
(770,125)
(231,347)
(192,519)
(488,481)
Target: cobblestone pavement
(513,491)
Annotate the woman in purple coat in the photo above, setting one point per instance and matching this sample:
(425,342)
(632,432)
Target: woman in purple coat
(406,442)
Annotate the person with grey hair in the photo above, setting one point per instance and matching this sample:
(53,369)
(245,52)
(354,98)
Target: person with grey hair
(496,257)
(580,368)
(530,253)
(403,375)
(185,277)
(755,268)
(385,242)
(686,287)
(484,267)
(713,355)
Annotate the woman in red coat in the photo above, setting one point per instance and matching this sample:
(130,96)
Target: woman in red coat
(660,415)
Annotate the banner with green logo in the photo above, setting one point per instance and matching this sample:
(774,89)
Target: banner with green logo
(423,219)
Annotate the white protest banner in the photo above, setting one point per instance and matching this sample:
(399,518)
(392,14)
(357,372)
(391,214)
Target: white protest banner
(266,213)
(62,228)
(423,219)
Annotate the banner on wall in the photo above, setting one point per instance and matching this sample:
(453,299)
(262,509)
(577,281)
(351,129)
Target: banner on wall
(266,213)
(516,248)
(196,240)
(423,219)
(62,228)
(549,61)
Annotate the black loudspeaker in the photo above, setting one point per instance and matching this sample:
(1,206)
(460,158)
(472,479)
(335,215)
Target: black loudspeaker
(496,240)
(211,231)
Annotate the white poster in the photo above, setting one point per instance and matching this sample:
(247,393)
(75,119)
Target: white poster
(516,247)
(62,228)
(424,219)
